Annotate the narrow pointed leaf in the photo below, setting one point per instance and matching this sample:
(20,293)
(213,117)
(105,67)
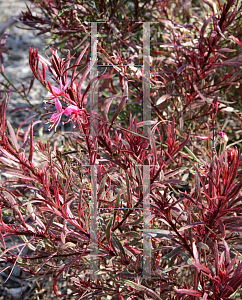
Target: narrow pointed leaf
(117,243)
(13,136)
(163,99)
(108,230)
(173,253)
(189,292)
(184,67)
(142,288)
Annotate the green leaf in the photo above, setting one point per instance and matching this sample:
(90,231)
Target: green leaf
(193,155)
(186,258)
(138,174)
(163,234)
(126,273)
(137,221)
(117,200)
(102,185)
(117,155)
(202,245)
(100,219)
(142,288)
(108,230)
(134,234)
(173,253)
(117,243)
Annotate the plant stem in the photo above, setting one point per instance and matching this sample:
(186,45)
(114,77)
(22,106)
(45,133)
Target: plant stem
(25,98)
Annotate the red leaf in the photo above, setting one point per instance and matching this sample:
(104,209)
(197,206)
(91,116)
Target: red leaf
(227,254)
(55,284)
(235,191)
(228,64)
(184,67)
(133,250)
(121,104)
(205,25)
(191,226)
(201,267)
(31,150)
(107,105)
(216,258)
(2,240)
(13,136)
(29,128)
(189,292)
(222,227)
(182,145)
(238,42)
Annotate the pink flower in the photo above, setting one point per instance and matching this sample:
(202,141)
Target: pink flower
(76,113)
(72,109)
(58,92)
(56,117)
(202,137)
(223,135)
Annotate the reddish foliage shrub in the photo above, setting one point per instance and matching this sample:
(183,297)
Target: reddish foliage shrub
(194,191)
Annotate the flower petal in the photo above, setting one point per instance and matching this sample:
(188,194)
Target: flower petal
(202,137)
(71,109)
(54,117)
(66,86)
(55,90)
(58,104)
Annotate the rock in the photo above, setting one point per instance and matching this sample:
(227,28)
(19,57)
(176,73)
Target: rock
(17,292)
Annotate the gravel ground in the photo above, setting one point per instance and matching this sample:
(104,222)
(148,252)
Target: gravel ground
(16,62)
(17,71)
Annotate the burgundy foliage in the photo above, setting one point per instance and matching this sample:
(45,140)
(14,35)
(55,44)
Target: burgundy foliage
(195,171)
